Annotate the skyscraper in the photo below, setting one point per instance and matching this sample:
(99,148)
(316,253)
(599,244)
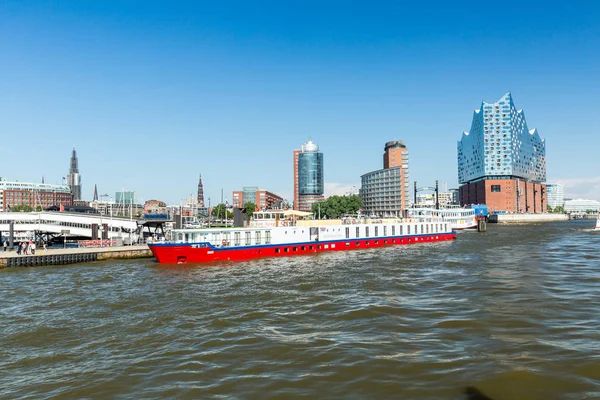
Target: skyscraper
(501,162)
(73,177)
(200,193)
(309,186)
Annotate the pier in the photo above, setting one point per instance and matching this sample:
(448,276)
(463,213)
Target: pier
(72,256)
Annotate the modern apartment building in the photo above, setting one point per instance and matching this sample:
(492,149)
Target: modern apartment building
(501,162)
(556,194)
(385,192)
(33,194)
(262,198)
(309,186)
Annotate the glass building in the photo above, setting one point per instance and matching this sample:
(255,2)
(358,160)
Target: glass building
(501,162)
(311,187)
(126,197)
(500,144)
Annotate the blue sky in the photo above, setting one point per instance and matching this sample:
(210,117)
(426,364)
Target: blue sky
(152,93)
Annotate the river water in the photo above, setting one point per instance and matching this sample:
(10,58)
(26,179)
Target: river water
(514,312)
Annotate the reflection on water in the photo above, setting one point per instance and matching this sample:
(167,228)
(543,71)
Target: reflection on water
(509,314)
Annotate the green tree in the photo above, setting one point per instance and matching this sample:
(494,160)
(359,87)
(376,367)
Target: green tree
(250,208)
(559,210)
(21,208)
(337,206)
(220,212)
(550,209)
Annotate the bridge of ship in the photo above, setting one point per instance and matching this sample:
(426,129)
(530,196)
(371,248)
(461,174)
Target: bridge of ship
(71,224)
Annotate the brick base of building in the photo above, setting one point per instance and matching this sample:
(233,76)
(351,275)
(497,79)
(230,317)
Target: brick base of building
(510,195)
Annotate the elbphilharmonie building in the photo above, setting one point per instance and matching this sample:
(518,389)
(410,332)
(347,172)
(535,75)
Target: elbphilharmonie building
(501,162)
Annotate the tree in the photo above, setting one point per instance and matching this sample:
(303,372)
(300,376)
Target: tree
(559,210)
(21,208)
(250,208)
(337,206)
(220,212)
(550,209)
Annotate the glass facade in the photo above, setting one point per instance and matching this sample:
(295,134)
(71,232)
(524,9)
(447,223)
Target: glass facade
(311,186)
(310,173)
(500,144)
(126,197)
(249,194)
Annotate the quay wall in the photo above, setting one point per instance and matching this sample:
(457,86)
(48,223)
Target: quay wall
(530,218)
(73,256)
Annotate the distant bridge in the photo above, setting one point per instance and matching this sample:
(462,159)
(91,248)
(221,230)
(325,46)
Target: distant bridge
(69,224)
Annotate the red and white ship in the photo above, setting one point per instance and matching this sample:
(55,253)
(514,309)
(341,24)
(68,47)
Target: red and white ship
(278,233)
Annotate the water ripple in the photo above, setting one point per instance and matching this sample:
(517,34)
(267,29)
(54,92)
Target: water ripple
(513,312)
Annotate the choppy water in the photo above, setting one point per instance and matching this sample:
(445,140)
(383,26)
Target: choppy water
(514,312)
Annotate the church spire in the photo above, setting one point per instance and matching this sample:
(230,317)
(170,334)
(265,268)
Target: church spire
(95,192)
(200,193)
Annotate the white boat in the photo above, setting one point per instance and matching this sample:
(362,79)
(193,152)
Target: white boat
(598,223)
(459,218)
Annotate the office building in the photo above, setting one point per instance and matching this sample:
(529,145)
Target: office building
(556,195)
(385,192)
(309,186)
(501,162)
(126,197)
(35,195)
(263,199)
(73,177)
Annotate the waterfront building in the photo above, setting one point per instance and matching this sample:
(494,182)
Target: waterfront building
(556,194)
(200,193)
(501,162)
(73,177)
(43,195)
(262,198)
(385,192)
(309,186)
(581,206)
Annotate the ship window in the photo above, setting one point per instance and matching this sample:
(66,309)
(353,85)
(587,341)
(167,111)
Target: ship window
(393,230)
(286,250)
(268,237)
(347,233)
(495,188)
(294,249)
(303,248)
(257,237)
(276,250)
(357,231)
(408,229)
(367,231)
(376,231)
(310,247)
(358,243)
(426,228)
(248,241)
(385,231)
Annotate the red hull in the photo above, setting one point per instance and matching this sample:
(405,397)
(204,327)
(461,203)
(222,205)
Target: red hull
(176,253)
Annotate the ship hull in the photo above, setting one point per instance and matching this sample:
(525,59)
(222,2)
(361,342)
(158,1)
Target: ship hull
(184,253)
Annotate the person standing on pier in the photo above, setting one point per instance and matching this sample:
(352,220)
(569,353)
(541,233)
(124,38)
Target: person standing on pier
(19,249)
(5,244)
(32,247)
